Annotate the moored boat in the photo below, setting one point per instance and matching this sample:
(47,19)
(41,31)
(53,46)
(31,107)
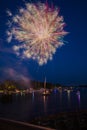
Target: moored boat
(45,91)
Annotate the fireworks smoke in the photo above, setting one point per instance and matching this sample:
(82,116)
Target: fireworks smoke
(38,30)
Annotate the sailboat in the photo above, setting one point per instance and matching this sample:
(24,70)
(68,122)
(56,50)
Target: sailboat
(46,91)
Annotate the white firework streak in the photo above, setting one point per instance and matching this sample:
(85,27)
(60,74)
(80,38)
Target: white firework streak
(38,30)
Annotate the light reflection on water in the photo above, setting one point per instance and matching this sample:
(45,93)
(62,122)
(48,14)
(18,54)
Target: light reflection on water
(27,106)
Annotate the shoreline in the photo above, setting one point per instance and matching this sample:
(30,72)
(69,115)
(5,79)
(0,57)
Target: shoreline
(7,124)
(64,120)
(61,121)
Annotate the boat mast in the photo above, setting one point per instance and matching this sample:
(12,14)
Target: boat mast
(45,83)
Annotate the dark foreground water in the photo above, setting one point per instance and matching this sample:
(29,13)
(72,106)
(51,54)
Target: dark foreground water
(28,106)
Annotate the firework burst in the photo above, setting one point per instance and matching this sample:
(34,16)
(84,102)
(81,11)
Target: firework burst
(38,30)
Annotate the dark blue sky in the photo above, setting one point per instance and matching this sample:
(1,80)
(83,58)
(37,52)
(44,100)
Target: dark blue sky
(69,64)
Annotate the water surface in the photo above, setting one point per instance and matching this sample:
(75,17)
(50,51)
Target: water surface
(28,106)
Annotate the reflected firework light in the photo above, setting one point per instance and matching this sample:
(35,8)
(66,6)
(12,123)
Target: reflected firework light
(78,96)
(38,30)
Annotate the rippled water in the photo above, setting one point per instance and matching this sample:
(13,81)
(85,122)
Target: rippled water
(27,106)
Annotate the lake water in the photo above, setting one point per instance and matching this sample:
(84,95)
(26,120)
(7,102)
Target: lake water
(28,106)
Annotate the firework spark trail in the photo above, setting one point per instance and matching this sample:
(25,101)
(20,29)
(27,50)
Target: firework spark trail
(38,30)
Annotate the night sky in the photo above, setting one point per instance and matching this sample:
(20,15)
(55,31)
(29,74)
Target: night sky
(69,64)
